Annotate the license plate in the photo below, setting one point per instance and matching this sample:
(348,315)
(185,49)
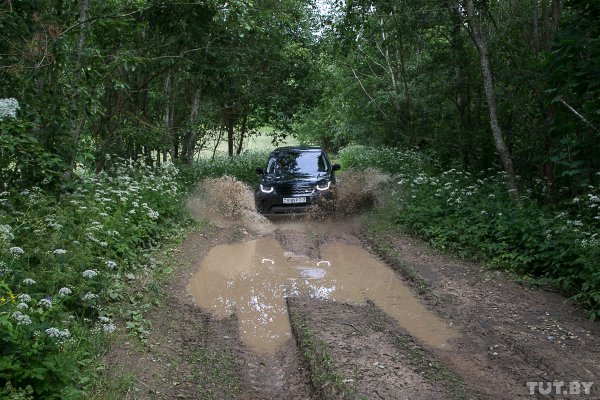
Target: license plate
(294,200)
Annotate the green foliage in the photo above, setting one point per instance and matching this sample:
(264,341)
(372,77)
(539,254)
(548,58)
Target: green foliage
(400,73)
(63,262)
(241,167)
(388,159)
(472,215)
(573,68)
(24,162)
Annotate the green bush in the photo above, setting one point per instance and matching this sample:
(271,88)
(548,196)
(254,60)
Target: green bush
(472,215)
(241,167)
(61,264)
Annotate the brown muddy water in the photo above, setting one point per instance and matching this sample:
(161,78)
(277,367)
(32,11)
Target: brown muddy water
(253,278)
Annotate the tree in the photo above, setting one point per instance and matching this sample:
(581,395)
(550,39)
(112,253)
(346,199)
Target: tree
(478,37)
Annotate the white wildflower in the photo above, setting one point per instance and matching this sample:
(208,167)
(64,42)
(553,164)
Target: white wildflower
(46,303)
(16,251)
(8,108)
(89,273)
(22,306)
(5,233)
(64,291)
(57,333)
(24,297)
(55,225)
(59,251)
(153,214)
(111,264)
(90,296)
(29,281)
(109,328)
(22,319)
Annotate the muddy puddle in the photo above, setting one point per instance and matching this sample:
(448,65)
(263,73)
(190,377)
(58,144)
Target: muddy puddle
(253,278)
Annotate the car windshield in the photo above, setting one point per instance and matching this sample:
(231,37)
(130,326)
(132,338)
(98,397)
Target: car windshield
(299,163)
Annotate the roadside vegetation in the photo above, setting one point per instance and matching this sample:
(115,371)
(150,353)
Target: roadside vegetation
(470,213)
(65,261)
(486,114)
(70,267)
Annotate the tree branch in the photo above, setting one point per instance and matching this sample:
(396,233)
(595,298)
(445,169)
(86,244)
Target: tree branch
(574,111)
(367,93)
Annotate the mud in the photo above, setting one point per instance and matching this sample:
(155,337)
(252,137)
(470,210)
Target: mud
(512,334)
(372,358)
(253,278)
(227,202)
(224,331)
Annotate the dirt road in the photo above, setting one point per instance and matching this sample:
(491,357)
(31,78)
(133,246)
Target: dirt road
(297,309)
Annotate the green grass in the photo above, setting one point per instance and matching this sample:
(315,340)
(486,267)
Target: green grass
(324,375)
(214,372)
(256,143)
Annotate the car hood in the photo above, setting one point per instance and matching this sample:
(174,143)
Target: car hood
(295,179)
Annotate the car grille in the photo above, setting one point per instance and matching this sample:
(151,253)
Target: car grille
(297,190)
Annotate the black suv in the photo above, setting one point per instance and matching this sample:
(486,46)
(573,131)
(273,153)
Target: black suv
(294,179)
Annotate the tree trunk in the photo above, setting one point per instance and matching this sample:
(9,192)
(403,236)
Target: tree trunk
(242,135)
(83,7)
(536,27)
(230,131)
(217,142)
(189,139)
(168,116)
(479,39)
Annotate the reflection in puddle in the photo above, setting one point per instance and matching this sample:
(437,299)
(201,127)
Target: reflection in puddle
(252,280)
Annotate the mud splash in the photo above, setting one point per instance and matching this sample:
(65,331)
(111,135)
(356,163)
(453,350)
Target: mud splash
(252,280)
(359,190)
(226,201)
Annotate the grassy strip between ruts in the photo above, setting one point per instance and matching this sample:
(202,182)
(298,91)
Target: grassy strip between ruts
(377,231)
(327,382)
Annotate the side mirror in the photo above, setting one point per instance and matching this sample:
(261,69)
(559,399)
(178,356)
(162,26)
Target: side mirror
(335,167)
(259,171)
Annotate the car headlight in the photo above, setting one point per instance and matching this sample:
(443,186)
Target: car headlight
(266,189)
(324,186)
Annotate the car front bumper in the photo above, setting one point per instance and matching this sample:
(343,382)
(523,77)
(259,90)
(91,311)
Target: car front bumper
(273,203)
